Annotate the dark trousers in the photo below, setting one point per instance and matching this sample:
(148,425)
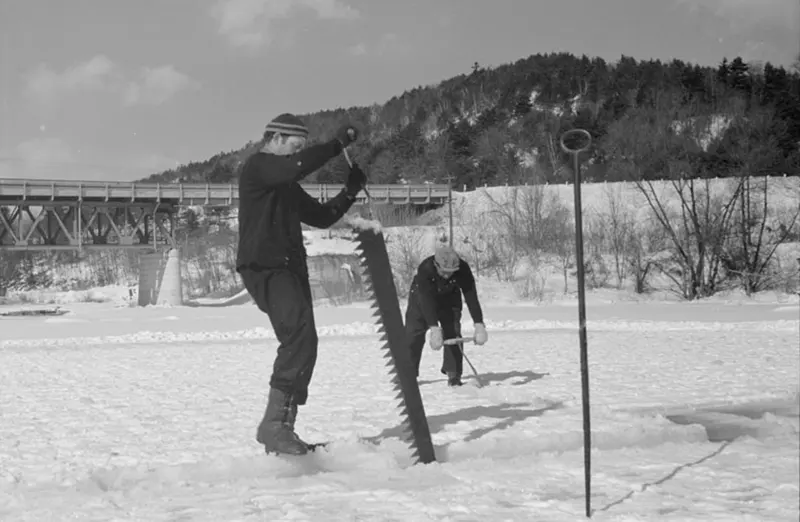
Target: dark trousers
(285,297)
(417,328)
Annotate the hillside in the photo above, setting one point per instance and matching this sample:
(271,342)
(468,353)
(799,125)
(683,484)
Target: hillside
(501,125)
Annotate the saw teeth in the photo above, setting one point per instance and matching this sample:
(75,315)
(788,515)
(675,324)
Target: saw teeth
(379,286)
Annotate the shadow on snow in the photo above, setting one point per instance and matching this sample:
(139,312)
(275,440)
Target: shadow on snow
(507,415)
(525,377)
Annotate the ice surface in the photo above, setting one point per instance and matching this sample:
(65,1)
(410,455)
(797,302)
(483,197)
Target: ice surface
(150,414)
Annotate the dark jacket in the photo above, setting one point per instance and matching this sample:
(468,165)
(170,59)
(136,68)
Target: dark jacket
(272,204)
(432,292)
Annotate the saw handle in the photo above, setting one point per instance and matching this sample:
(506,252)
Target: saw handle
(459,340)
(364,188)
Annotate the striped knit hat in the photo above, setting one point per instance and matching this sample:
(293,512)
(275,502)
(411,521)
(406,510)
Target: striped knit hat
(288,125)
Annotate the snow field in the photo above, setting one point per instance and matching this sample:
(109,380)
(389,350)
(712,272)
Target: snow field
(161,427)
(783,194)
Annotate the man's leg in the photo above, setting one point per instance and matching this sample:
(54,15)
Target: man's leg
(304,379)
(309,360)
(452,358)
(282,296)
(416,328)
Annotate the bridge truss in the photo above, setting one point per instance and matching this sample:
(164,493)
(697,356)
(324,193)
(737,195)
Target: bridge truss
(72,215)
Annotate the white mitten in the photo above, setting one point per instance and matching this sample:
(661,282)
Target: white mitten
(435,338)
(480,334)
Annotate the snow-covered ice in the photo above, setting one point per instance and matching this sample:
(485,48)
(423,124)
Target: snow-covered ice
(149,415)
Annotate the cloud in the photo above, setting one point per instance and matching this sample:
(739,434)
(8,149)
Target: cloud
(53,158)
(38,158)
(100,74)
(158,85)
(97,74)
(387,43)
(248,23)
(783,13)
(44,152)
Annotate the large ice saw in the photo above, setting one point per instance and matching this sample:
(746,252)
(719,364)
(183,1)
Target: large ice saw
(380,282)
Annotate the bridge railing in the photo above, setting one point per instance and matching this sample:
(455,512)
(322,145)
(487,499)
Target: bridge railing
(221,194)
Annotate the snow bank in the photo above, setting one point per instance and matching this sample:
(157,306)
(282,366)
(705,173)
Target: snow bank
(368,329)
(783,193)
(115,294)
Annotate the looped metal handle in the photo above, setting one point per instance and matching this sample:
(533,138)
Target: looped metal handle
(574,132)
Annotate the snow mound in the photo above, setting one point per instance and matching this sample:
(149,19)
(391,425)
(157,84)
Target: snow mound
(356,329)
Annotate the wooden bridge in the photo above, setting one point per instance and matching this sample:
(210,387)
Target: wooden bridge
(52,215)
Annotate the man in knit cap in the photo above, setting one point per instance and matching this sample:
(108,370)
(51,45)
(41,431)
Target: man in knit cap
(434,306)
(271,260)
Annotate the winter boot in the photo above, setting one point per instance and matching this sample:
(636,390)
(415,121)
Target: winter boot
(454,379)
(276,431)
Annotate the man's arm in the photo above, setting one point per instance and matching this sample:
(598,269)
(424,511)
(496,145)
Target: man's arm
(426,287)
(470,291)
(270,170)
(323,215)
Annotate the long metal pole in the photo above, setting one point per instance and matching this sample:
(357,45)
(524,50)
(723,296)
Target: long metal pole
(587,429)
(450,205)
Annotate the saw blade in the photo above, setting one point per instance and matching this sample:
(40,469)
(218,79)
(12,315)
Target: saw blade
(379,281)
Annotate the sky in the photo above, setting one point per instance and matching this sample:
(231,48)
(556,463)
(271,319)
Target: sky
(115,90)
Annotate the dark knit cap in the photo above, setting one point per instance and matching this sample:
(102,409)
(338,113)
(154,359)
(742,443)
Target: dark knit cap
(288,125)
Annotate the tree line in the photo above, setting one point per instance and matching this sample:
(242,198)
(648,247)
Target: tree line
(498,126)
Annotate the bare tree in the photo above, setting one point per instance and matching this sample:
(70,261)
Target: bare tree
(473,245)
(661,142)
(10,263)
(619,226)
(505,221)
(646,248)
(596,240)
(751,250)
(406,248)
(530,224)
